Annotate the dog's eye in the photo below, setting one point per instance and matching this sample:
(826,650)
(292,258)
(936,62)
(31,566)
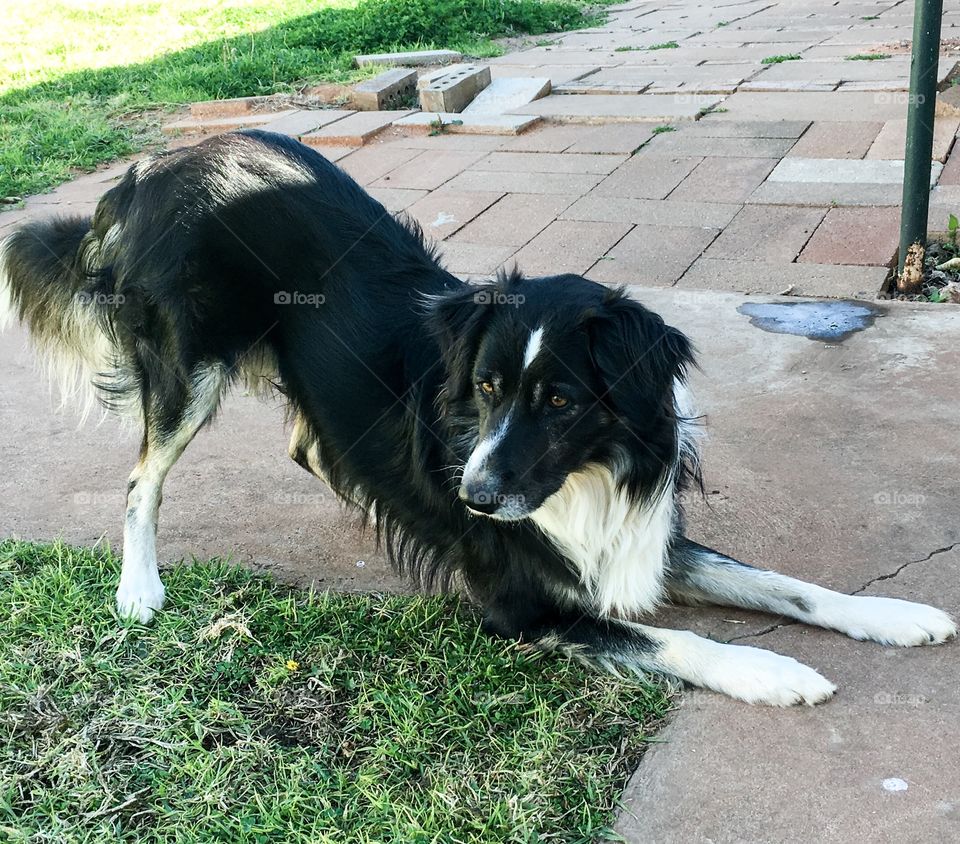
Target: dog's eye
(487,387)
(558,401)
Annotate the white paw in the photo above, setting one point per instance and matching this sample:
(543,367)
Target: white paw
(758,676)
(140,600)
(891,621)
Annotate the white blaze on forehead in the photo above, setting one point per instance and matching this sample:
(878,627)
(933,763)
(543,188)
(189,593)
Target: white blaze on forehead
(485,448)
(534,344)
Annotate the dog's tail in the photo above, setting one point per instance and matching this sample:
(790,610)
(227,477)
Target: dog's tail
(53,282)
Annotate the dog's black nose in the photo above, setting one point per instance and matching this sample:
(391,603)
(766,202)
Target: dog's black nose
(479,497)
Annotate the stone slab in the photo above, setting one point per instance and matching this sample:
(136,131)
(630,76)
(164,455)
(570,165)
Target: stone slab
(777,277)
(428,170)
(711,127)
(836,140)
(455,90)
(466,124)
(651,212)
(443,212)
(654,256)
(396,199)
(504,94)
(861,236)
(374,161)
(892,140)
(648,175)
(474,258)
(299,123)
(548,162)
(414,58)
(385,91)
(575,184)
(215,125)
(227,108)
(557,74)
(694,143)
(515,220)
(568,246)
(355,130)
(730,179)
(767,233)
(843,171)
(837,106)
(589,108)
(826,193)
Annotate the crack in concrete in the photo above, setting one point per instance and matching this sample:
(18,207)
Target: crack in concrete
(893,574)
(777,625)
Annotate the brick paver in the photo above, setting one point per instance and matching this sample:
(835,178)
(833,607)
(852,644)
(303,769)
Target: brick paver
(761,233)
(568,246)
(730,179)
(654,256)
(515,220)
(862,236)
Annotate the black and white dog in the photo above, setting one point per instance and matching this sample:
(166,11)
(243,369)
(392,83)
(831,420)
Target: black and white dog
(524,439)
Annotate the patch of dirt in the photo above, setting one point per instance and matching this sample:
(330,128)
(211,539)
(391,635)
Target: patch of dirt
(948,46)
(936,275)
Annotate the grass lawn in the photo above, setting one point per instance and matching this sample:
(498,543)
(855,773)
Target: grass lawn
(249,712)
(81,80)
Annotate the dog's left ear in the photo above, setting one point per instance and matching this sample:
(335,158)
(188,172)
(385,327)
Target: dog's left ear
(639,357)
(457,320)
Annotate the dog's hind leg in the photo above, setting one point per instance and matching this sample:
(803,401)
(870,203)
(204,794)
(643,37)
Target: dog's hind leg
(699,575)
(168,429)
(303,448)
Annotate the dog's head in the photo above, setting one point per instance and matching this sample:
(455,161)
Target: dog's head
(549,376)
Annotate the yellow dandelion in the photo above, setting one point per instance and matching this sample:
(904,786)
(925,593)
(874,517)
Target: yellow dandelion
(293,665)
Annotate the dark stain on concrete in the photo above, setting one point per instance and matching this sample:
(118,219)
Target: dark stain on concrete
(832,322)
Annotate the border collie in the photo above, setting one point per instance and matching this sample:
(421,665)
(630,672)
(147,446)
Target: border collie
(525,439)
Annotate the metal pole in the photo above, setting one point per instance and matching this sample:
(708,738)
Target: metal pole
(921,107)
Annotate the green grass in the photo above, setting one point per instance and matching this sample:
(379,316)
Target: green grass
(666,45)
(867,57)
(786,57)
(82,83)
(659,130)
(249,712)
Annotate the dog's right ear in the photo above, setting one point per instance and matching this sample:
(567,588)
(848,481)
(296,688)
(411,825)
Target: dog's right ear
(457,321)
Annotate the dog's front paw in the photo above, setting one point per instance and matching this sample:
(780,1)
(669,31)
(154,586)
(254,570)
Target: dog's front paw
(758,676)
(140,601)
(891,621)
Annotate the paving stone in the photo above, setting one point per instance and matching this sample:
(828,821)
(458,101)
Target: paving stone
(568,246)
(385,91)
(587,86)
(613,138)
(837,106)
(693,143)
(837,72)
(891,142)
(652,211)
(479,259)
(470,124)
(455,90)
(228,108)
(547,162)
(576,184)
(557,74)
(396,199)
(825,193)
(299,123)
(862,236)
(515,220)
(548,138)
(597,108)
(429,170)
(767,233)
(765,86)
(411,59)
(950,175)
(648,176)
(446,141)
(711,127)
(730,179)
(373,161)
(335,153)
(884,85)
(843,171)
(836,140)
(442,212)
(355,130)
(778,277)
(502,95)
(654,256)
(215,125)
(551,56)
